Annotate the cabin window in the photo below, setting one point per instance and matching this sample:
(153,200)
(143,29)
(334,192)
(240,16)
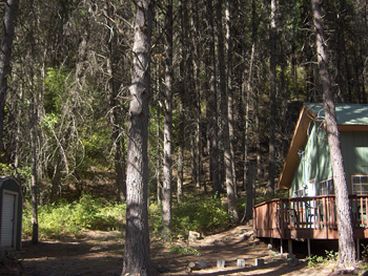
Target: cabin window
(326,187)
(360,184)
(300,193)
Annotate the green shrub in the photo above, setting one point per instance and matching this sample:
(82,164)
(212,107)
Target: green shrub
(204,215)
(63,218)
(331,256)
(184,250)
(155,218)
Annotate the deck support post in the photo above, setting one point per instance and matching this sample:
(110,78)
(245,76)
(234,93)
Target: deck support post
(309,247)
(281,248)
(358,248)
(290,246)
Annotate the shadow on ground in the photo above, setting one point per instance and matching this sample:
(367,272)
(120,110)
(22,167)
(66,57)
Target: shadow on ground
(95,254)
(100,253)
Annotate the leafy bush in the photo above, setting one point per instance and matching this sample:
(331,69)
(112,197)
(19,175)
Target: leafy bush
(200,214)
(184,250)
(63,218)
(204,215)
(315,260)
(155,218)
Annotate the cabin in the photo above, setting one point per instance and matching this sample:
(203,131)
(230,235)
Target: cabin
(309,211)
(10,214)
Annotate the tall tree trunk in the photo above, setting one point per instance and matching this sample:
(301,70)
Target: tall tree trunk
(273,97)
(230,90)
(346,241)
(34,194)
(212,113)
(249,203)
(35,147)
(196,39)
(34,181)
(116,112)
(247,96)
(180,160)
(158,133)
(183,96)
(167,174)
(10,15)
(137,245)
(56,180)
(229,178)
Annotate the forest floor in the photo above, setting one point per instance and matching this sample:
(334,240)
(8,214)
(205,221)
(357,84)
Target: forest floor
(100,253)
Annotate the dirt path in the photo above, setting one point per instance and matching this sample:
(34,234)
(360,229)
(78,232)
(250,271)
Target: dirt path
(100,253)
(97,253)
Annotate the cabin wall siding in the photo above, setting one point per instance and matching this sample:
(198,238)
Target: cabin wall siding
(354,147)
(315,165)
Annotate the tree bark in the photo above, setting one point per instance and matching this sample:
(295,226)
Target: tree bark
(137,245)
(249,203)
(229,178)
(116,112)
(35,152)
(273,97)
(158,134)
(34,181)
(195,59)
(249,176)
(230,90)
(183,97)
(9,20)
(167,157)
(212,113)
(180,160)
(344,221)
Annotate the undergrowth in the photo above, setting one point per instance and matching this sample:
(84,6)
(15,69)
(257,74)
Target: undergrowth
(205,215)
(331,256)
(184,250)
(64,218)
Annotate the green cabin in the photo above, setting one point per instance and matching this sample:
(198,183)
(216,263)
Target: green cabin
(309,211)
(310,173)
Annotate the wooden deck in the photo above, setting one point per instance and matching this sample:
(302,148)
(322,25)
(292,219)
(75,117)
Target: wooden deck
(307,218)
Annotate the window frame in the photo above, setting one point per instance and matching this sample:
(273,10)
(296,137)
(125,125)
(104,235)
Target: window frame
(330,189)
(360,191)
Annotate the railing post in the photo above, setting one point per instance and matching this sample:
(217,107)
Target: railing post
(361,212)
(281,217)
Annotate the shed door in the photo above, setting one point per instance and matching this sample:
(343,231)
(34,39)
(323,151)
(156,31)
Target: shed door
(8,219)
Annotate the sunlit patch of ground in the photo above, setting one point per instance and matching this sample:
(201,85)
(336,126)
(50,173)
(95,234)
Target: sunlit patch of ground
(100,253)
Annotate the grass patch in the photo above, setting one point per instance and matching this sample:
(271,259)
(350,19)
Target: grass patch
(62,218)
(184,250)
(331,256)
(205,215)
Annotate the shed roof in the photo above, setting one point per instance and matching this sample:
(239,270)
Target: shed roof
(350,117)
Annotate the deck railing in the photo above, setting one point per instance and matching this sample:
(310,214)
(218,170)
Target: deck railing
(318,212)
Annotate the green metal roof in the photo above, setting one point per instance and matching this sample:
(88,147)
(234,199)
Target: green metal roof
(347,114)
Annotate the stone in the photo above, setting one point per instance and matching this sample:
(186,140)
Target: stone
(344,272)
(240,263)
(193,236)
(259,262)
(220,263)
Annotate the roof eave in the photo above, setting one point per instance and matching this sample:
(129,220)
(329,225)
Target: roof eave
(298,141)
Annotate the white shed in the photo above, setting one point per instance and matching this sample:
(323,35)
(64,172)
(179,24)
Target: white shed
(10,214)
